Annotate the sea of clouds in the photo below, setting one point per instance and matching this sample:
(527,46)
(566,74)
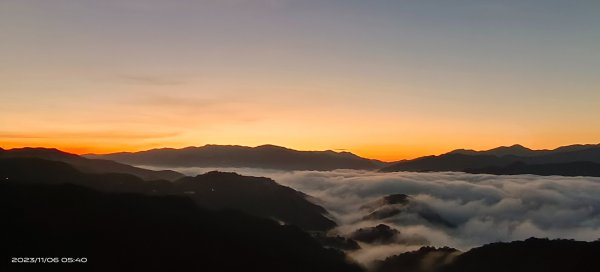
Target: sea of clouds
(483,208)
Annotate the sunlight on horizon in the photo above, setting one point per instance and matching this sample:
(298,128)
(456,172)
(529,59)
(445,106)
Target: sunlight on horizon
(388,80)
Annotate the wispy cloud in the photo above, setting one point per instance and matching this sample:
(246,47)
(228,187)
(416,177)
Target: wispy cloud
(172,101)
(100,134)
(205,108)
(150,80)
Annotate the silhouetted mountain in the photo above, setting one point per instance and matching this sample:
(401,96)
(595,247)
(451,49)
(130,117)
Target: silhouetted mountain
(385,201)
(448,162)
(514,150)
(531,255)
(589,155)
(571,169)
(257,196)
(134,232)
(392,205)
(521,151)
(265,156)
(503,157)
(89,165)
(380,234)
(254,195)
(426,259)
(337,242)
(34,170)
(384,235)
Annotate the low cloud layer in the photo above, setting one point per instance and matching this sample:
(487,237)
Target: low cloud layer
(481,208)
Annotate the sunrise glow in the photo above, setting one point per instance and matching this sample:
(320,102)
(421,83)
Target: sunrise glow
(384,80)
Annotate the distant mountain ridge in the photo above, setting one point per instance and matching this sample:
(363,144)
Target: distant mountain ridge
(86,165)
(264,156)
(521,151)
(515,150)
(571,169)
(462,160)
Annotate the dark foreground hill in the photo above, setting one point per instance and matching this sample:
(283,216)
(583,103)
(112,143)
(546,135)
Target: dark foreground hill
(85,165)
(265,156)
(567,160)
(256,196)
(135,232)
(531,255)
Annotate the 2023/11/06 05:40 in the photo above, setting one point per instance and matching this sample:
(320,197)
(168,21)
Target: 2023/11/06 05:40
(48,260)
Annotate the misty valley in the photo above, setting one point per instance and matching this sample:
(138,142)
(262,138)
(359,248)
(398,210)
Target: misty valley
(212,209)
(300,135)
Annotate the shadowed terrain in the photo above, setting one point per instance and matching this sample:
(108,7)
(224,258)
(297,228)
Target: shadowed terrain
(85,165)
(530,255)
(257,196)
(134,232)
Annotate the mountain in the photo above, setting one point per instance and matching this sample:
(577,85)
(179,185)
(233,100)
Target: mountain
(254,195)
(571,169)
(383,235)
(448,162)
(264,156)
(515,150)
(337,242)
(503,157)
(215,190)
(521,151)
(391,207)
(531,255)
(86,165)
(589,154)
(135,232)
(426,259)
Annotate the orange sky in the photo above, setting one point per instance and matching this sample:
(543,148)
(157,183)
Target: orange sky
(381,152)
(383,79)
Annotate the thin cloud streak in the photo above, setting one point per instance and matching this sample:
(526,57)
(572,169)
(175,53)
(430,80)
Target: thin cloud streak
(150,80)
(87,135)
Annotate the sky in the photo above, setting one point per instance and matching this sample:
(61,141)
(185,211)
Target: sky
(385,79)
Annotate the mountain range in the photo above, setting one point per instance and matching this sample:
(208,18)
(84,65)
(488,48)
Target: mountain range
(137,232)
(58,204)
(572,169)
(572,160)
(93,166)
(264,156)
(256,196)
(566,160)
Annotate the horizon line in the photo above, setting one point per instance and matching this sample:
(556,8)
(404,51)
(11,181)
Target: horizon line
(336,150)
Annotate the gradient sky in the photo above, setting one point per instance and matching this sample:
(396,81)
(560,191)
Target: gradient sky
(384,79)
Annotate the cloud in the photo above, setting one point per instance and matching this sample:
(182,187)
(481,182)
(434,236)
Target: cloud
(97,134)
(171,101)
(149,80)
(483,208)
(182,110)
